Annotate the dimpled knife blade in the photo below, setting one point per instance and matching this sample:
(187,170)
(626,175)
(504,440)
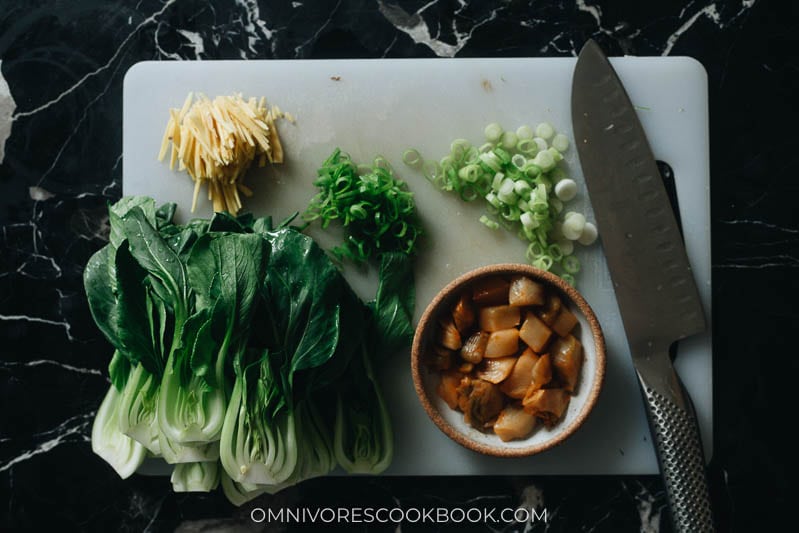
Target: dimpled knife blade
(655,289)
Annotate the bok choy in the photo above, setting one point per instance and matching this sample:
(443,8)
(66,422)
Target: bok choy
(241,354)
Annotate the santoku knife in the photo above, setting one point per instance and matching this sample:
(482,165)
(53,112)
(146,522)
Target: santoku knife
(652,278)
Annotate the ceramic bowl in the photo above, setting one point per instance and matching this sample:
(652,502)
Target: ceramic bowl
(451,421)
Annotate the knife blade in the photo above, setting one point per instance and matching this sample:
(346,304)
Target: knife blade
(655,289)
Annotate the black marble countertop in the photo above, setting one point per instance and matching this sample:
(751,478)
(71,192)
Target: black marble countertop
(61,71)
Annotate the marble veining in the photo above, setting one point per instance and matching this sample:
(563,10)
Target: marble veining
(61,71)
(418,30)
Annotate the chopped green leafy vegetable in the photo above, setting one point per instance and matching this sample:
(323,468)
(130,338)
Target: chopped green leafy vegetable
(376,209)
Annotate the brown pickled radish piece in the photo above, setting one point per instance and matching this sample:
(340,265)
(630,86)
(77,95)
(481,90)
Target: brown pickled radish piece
(490,291)
(503,342)
(496,370)
(547,404)
(567,361)
(535,333)
(448,335)
(463,314)
(474,348)
(514,423)
(497,317)
(517,383)
(524,291)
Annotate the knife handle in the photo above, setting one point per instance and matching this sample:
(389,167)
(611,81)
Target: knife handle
(679,447)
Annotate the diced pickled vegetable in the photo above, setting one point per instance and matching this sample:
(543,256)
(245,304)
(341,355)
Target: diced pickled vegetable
(448,387)
(514,423)
(498,382)
(551,310)
(565,322)
(463,313)
(547,404)
(524,291)
(516,384)
(542,374)
(491,291)
(503,342)
(496,370)
(535,333)
(480,402)
(474,348)
(499,317)
(568,360)
(448,335)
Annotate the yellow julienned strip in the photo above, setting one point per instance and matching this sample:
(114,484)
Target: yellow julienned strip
(217,140)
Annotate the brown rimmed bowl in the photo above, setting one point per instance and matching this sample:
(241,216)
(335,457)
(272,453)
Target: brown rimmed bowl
(451,421)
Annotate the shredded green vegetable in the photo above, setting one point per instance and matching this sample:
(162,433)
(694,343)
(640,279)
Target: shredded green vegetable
(376,209)
(515,172)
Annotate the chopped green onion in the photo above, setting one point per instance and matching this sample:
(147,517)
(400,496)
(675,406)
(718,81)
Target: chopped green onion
(502,155)
(491,160)
(381,162)
(508,197)
(541,143)
(412,158)
(555,251)
(544,262)
(532,170)
(557,157)
(518,161)
(573,226)
(544,160)
(534,251)
(508,140)
(524,132)
(470,173)
(571,264)
(566,189)
(560,142)
(522,189)
(469,193)
(528,221)
(496,183)
(566,246)
(493,132)
(568,278)
(589,234)
(459,148)
(510,212)
(527,146)
(376,209)
(488,222)
(545,131)
(517,174)
(507,185)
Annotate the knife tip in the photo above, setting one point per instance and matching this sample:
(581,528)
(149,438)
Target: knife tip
(591,46)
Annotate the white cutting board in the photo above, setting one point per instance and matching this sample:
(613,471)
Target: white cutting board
(370,107)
